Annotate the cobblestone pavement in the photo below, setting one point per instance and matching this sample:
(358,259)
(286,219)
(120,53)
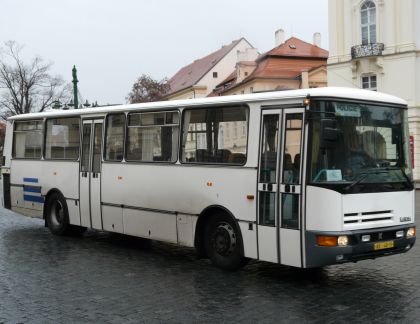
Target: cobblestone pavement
(102,277)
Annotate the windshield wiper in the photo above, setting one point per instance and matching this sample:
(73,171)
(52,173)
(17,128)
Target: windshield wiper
(363,175)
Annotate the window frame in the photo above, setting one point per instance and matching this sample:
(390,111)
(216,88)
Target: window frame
(369,76)
(177,149)
(42,120)
(368,24)
(45,138)
(181,133)
(104,135)
(308,171)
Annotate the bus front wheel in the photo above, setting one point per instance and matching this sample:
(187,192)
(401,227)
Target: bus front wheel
(223,243)
(57,215)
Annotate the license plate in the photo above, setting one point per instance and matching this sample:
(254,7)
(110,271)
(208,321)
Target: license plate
(383,245)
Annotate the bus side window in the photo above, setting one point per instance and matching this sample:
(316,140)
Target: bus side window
(62,138)
(114,138)
(27,139)
(216,136)
(152,136)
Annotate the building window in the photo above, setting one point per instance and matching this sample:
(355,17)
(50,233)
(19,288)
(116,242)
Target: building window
(215,75)
(369,82)
(368,22)
(246,74)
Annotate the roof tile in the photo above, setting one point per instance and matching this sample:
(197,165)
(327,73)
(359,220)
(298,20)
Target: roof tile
(189,75)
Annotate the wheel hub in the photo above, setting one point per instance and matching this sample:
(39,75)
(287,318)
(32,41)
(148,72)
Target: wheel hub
(224,239)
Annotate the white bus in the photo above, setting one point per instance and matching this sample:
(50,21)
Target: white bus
(304,178)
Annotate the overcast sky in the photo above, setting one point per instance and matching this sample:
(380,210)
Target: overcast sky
(113,42)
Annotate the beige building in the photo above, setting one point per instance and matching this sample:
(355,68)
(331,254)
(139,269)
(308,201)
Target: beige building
(199,78)
(374,44)
(292,64)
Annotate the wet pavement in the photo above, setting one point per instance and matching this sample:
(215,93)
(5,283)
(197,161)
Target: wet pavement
(102,277)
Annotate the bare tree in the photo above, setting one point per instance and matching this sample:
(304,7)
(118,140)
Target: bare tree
(146,89)
(27,87)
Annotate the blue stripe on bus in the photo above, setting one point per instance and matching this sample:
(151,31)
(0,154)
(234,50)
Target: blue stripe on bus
(32,189)
(33,198)
(33,180)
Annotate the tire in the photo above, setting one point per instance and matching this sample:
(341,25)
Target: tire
(57,215)
(223,243)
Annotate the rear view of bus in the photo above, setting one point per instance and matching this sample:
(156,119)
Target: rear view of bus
(360,195)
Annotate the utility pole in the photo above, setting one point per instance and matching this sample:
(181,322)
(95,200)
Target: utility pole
(75,98)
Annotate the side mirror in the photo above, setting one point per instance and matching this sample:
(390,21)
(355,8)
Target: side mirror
(329,133)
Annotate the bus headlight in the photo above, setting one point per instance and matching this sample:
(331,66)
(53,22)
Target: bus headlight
(411,232)
(343,240)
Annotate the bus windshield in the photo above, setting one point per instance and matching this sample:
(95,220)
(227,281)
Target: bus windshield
(358,147)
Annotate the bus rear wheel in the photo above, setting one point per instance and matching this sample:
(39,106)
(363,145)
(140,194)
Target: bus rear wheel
(223,243)
(57,215)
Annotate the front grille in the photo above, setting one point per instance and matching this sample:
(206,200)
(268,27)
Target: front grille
(368,217)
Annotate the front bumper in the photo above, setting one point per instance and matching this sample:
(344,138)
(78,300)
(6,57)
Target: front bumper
(318,256)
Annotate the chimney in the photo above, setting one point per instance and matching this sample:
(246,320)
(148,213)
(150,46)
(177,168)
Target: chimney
(249,54)
(317,39)
(279,37)
(252,54)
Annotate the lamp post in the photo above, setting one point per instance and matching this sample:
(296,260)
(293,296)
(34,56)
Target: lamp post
(75,99)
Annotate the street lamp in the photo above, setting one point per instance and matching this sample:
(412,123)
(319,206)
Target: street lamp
(75,81)
(56,104)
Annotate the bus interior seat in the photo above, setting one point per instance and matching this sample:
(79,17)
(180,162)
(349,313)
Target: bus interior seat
(222,156)
(57,152)
(237,158)
(134,154)
(296,162)
(72,152)
(32,152)
(202,155)
(288,165)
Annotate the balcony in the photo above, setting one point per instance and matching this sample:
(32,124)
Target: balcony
(360,51)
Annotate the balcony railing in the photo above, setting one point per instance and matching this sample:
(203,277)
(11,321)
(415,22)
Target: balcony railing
(367,50)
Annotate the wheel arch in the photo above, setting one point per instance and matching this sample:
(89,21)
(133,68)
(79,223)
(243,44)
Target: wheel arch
(202,221)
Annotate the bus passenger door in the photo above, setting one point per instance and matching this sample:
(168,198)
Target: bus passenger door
(290,189)
(268,175)
(90,174)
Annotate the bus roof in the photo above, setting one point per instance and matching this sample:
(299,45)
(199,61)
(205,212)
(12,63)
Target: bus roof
(329,92)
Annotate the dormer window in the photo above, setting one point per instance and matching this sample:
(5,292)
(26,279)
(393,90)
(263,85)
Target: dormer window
(368,22)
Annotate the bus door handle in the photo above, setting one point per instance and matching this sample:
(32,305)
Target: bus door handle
(268,187)
(291,188)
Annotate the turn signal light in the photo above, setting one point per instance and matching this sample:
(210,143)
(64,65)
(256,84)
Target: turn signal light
(326,240)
